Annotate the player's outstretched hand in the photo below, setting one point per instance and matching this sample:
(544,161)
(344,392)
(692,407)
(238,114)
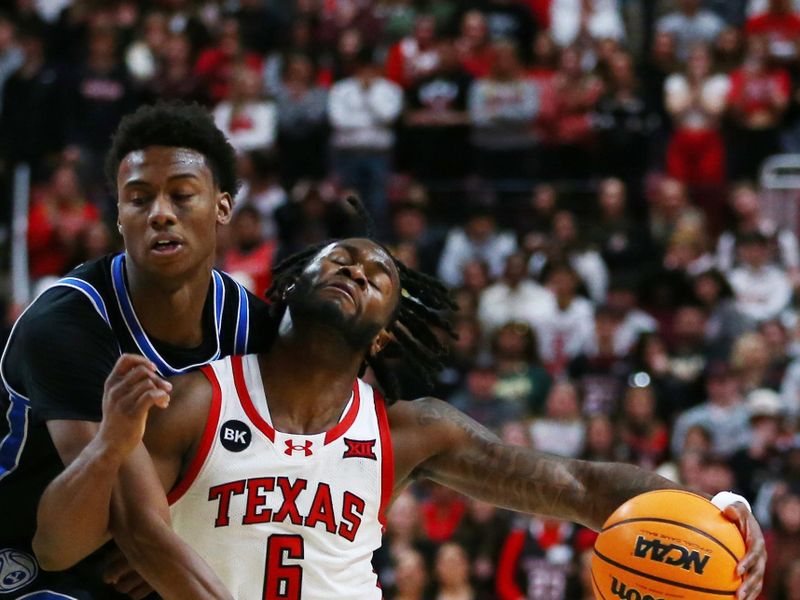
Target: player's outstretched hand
(119,573)
(751,567)
(131,389)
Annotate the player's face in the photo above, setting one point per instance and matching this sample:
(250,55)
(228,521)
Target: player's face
(353,285)
(169,209)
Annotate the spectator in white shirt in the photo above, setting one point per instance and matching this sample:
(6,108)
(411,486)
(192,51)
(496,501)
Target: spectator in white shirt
(478,239)
(762,290)
(566,328)
(576,20)
(362,110)
(514,298)
(247,120)
(690,25)
(561,430)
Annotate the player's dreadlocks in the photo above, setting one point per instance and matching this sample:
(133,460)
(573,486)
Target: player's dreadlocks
(413,325)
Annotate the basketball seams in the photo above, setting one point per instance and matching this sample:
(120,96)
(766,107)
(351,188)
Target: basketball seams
(678,524)
(597,587)
(686,586)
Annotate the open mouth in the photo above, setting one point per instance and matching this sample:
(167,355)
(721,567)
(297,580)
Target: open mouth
(166,246)
(342,289)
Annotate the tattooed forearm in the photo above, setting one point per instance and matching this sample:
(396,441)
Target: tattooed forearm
(477,463)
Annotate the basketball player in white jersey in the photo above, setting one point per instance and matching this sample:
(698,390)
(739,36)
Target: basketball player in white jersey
(281,465)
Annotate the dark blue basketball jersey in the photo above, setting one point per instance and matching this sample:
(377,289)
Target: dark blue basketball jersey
(59,354)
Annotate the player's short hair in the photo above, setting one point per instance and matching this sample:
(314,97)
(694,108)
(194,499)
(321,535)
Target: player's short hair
(180,125)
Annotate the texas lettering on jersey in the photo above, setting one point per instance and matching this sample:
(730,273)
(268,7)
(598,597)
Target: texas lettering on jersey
(321,511)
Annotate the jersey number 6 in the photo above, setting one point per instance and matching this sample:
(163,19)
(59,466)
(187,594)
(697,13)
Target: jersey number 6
(281,581)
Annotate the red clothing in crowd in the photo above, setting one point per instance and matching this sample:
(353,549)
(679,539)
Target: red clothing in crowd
(775,27)
(406,62)
(215,67)
(255,265)
(754,92)
(51,231)
(440,519)
(696,156)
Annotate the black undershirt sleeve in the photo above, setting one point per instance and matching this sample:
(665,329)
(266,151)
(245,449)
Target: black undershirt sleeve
(60,355)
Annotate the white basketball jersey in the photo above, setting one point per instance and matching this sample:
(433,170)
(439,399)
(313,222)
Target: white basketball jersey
(280,515)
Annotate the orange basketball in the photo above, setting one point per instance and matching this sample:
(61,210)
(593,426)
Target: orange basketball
(667,545)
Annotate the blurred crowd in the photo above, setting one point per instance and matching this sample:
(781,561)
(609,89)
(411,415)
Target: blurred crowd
(584,174)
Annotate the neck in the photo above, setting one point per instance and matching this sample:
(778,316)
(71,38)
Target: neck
(308,376)
(170,309)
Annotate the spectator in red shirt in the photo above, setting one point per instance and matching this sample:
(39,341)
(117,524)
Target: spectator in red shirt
(416,56)
(757,102)
(250,258)
(474,49)
(781,25)
(58,217)
(216,64)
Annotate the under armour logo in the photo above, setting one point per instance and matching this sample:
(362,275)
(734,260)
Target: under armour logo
(291,447)
(360,449)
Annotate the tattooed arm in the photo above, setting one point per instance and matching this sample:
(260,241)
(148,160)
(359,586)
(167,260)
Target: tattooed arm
(436,441)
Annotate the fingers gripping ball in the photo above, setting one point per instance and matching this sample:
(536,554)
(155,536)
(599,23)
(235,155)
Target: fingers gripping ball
(667,545)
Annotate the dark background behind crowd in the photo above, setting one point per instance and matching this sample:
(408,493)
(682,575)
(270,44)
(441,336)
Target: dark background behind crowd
(584,174)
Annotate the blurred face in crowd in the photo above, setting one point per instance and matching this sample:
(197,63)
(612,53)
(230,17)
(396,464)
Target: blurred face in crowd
(750,352)
(754,254)
(299,71)
(775,337)
(102,44)
(246,85)
(707,289)
(468,338)
(512,341)
(516,268)
(570,64)
(672,197)
(564,228)
(545,51)
(605,325)
(698,64)
(663,46)
(247,228)
(717,477)
(409,224)
(402,519)
(505,65)
(787,511)
(728,43)
(722,389)
(544,199)
(640,405)
(476,276)
(6,33)
(65,185)
(481,383)
(689,6)
(480,228)
(562,402)
(563,283)
(689,325)
(622,72)
(410,574)
(744,201)
(612,198)
(473,28)
(169,209)
(229,41)
(155,30)
(178,50)
(757,51)
(349,43)
(452,566)
(514,433)
(621,300)
(96,240)
(600,435)
(425,31)
(690,468)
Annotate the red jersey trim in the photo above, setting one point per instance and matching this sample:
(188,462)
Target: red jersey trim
(206,441)
(387,458)
(246,401)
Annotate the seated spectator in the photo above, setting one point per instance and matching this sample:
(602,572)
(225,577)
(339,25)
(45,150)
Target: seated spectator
(585,21)
(414,57)
(724,321)
(644,436)
(659,65)
(600,370)
(623,122)
(59,213)
(261,188)
(566,124)
(566,329)
(479,239)
(783,539)
(302,121)
(695,101)
(716,475)
(750,362)
(670,210)
(247,120)
(780,23)
(175,78)
(688,350)
(143,55)
(544,63)
(472,46)
(410,225)
(776,337)
(502,108)
(561,430)
(724,415)
(762,290)
(757,102)
(688,252)
(690,25)
(250,258)
(362,110)
(436,118)
(763,459)
(633,322)
(515,297)
(536,223)
(477,399)
(566,243)
(521,379)
(216,65)
(442,512)
(602,443)
(452,576)
(411,576)
(728,50)
(536,560)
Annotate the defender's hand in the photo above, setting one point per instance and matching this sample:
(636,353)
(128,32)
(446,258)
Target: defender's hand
(119,573)
(751,567)
(131,389)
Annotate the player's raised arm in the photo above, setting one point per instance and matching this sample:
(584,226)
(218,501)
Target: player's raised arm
(434,440)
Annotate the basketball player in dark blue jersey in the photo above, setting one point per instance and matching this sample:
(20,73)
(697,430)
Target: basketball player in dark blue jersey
(175,178)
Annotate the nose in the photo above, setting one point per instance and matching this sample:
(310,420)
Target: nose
(161,212)
(356,273)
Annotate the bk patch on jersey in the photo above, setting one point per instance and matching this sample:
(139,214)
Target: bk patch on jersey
(234,435)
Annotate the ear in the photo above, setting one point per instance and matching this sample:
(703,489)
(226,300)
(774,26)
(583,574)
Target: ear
(224,208)
(380,342)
